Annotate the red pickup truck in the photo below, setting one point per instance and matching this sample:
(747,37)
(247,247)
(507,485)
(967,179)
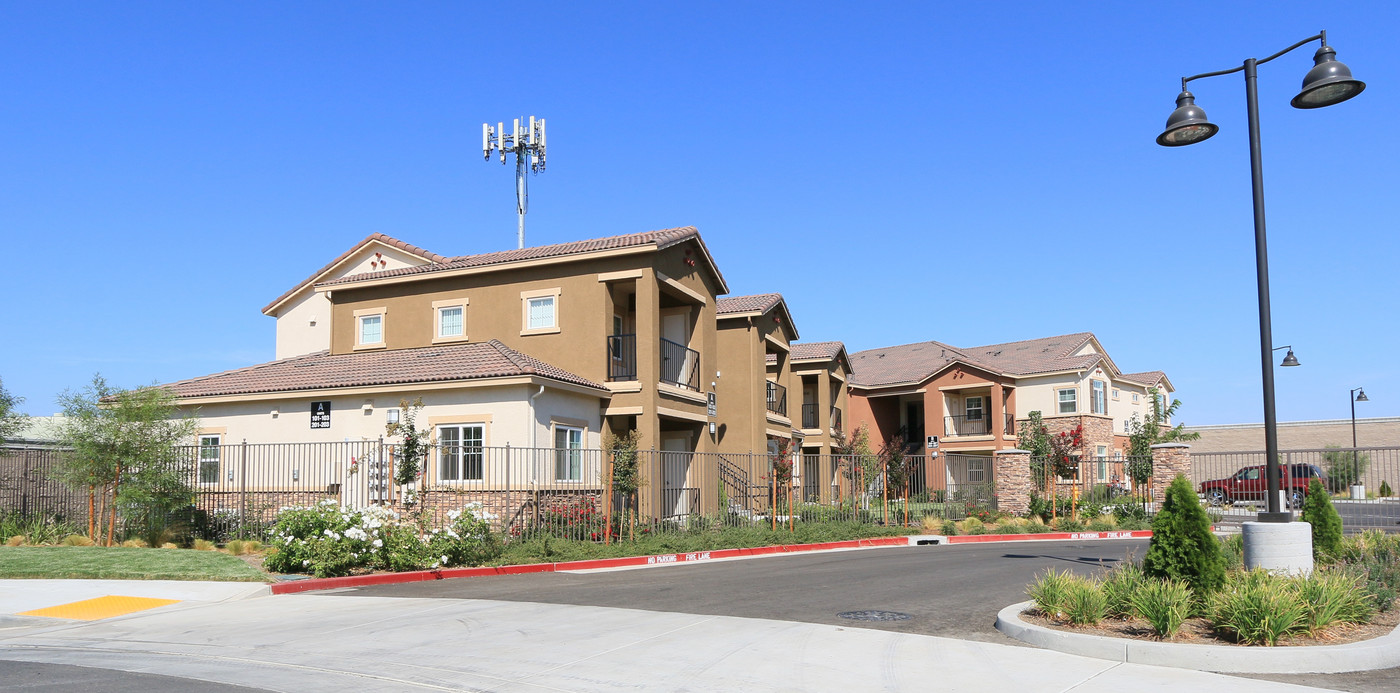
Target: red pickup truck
(1251,484)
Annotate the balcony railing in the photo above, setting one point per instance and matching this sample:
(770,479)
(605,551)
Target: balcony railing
(680,366)
(777,398)
(622,357)
(809,415)
(967,426)
(1010,428)
(835,418)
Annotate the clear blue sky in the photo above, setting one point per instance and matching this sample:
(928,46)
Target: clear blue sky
(966,172)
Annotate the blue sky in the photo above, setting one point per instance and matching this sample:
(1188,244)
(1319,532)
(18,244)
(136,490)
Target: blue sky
(972,173)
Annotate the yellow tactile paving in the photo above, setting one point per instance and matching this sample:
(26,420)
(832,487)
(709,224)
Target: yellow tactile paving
(100,608)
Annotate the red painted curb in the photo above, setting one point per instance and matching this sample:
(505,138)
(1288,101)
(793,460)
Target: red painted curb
(991,538)
(292,587)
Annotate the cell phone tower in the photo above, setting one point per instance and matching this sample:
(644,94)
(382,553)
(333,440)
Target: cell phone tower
(528,147)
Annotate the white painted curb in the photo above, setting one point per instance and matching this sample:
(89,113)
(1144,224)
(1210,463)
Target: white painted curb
(1377,653)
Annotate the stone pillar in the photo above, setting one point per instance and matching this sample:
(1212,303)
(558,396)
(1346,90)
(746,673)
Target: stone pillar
(1169,460)
(1012,476)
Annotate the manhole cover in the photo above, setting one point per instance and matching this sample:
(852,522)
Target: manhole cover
(874,615)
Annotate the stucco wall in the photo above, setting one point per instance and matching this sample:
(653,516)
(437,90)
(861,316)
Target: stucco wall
(1300,435)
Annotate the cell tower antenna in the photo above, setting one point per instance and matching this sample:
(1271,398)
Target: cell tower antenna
(528,145)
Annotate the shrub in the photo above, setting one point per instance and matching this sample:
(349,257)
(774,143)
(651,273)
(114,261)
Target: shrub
(932,524)
(1182,547)
(36,529)
(1067,524)
(169,545)
(1326,523)
(1102,524)
(1258,609)
(1385,490)
(1128,508)
(949,529)
(1232,551)
(1119,586)
(1333,597)
(135,544)
(1085,603)
(972,525)
(76,540)
(1374,556)
(203,545)
(1050,591)
(16,540)
(1164,604)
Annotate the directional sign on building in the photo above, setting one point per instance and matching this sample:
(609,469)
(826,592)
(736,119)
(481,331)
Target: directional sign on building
(710,403)
(933,442)
(321,414)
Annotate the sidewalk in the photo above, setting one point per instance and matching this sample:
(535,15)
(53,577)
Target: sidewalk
(227,633)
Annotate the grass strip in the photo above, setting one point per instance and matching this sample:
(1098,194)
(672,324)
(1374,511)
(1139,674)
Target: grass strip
(99,563)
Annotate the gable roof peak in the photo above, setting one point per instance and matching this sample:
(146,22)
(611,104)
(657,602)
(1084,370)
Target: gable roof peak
(375,237)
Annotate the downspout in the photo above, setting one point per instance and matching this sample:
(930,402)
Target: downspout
(534,422)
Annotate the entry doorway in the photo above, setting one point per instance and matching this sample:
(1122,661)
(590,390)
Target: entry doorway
(678,498)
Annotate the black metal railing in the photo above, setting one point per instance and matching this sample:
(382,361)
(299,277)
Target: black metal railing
(967,425)
(777,398)
(680,366)
(809,415)
(1009,428)
(622,357)
(835,418)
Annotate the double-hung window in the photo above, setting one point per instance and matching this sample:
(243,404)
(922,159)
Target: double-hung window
(371,329)
(210,454)
(450,321)
(460,453)
(1099,402)
(1068,400)
(568,453)
(974,408)
(539,311)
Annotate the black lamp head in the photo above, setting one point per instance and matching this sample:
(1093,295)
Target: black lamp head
(1289,359)
(1328,82)
(1187,124)
(1361,395)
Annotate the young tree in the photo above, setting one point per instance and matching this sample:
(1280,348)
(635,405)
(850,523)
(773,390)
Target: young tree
(858,462)
(414,448)
(124,447)
(1326,523)
(1149,431)
(12,421)
(1182,546)
(627,472)
(1344,467)
(1034,438)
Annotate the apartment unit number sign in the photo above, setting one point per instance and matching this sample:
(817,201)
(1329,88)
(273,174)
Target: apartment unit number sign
(321,414)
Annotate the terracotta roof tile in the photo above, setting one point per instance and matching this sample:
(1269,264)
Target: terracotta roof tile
(757,303)
(386,240)
(664,238)
(323,370)
(916,362)
(1146,377)
(816,350)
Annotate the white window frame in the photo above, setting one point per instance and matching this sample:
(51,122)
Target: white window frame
(438,308)
(463,452)
(1135,398)
(1101,454)
(980,471)
(1098,397)
(568,458)
(1060,401)
(528,297)
(980,408)
(361,316)
(217,447)
(1115,394)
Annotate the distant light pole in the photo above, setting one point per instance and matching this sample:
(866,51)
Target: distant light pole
(1328,82)
(1357,395)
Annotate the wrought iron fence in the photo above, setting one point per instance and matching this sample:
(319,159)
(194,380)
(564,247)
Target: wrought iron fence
(1360,481)
(28,485)
(1091,480)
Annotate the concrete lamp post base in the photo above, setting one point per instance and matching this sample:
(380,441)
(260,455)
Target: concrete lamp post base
(1279,547)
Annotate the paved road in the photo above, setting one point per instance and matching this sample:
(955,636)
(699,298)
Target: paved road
(34,677)
(951,591)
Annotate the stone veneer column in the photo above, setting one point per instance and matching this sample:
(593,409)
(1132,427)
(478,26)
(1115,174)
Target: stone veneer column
(1169,460)
(1012,476)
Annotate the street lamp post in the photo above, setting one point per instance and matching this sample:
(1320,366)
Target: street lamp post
(1328,82)
(1357,395)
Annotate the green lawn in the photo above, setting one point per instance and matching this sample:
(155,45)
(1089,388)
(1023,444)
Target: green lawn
(98,563)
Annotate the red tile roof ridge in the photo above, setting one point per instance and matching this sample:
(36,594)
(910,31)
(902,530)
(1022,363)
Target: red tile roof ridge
(744,304)
(663,238)
(1082,337)
(1144,377)
(376,236)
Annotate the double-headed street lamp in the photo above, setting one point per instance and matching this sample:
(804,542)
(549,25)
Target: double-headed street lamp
(1328,82)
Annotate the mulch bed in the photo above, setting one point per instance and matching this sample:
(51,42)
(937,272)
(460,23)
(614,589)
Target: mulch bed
(1197,631)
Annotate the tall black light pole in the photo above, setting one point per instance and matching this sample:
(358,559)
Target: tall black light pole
(1357,395)
(1328,82)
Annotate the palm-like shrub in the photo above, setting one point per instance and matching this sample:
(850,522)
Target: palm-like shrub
(1182,546)
(1050,591)
(1164,604)
(1119,586)
(1334,597)
(1326,523)
(1085,604)
(1259,609)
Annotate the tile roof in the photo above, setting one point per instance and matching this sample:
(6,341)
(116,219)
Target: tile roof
(323,370)
(1146,377)
(916,362)
(816,350)
(386,240)
(664,238)
(757,303)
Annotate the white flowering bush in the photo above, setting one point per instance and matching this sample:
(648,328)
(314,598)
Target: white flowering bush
(328,540)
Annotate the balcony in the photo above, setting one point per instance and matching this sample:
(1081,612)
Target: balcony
(680,366)
(836,418)
(622,357)
(777,398)
(976,426)
(809,415)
